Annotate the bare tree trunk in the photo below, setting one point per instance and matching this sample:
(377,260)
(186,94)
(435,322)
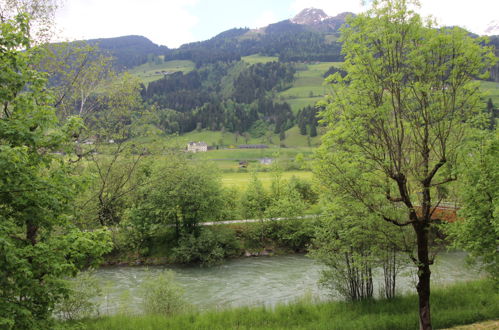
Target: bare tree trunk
(424,273)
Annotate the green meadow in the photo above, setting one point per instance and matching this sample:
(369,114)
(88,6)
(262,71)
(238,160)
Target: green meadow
(240,181)
(255,58)
(308,87)
(491,90)
(152,71)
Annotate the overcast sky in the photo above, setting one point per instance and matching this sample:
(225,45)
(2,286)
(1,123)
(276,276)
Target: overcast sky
(175,22)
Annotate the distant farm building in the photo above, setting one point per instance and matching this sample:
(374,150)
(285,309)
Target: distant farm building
(252,146)
(265,161)
(197,147)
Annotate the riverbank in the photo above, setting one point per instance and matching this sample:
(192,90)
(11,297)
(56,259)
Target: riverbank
(454,305)
(216,243)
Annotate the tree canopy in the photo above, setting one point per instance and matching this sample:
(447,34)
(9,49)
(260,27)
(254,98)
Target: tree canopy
(38,244)
(398,118)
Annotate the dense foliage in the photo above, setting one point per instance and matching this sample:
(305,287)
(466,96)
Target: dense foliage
(222,96)
(397,120)
(128,51)
(289,41)
(38,243)
(308,121)
(477,230)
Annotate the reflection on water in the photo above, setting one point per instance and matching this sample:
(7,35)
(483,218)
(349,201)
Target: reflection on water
(253,281)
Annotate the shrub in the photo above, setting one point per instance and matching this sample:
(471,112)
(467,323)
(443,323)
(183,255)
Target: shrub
(79,302)
(161,295)
(208,248)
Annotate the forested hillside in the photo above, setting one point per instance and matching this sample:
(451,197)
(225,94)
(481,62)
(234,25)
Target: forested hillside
(232,96)
(213,85)
(129,51)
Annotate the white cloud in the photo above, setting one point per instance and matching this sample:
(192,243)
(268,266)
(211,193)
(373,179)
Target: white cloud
(473,15)
(266,18)
(164,22)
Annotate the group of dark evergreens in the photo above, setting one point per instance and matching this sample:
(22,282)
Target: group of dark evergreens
(231,96)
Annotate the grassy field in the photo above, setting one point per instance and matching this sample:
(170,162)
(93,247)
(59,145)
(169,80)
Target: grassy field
(241,180)
(226,139)
(459,304)
(254,59)
(153,71)
(308,87)
(492,91)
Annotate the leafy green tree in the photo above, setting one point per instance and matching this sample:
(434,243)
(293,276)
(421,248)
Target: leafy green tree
(396,121)
(77,71)
(115,163)
(38,244)
(40,27)
(255,200)
(346,246)
(180,195)
(477,228)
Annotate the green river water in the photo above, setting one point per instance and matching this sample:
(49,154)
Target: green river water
(254,281)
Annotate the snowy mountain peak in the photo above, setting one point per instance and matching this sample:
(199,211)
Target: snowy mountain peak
(492,28)
(310,16)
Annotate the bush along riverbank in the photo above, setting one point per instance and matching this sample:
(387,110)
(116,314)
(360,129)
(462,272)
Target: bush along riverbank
(454,305)
(211,245)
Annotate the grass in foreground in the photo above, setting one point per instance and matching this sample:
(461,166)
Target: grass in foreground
(459,304)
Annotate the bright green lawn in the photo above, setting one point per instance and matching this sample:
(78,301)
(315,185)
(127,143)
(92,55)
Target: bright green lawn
(241,180)
(294,138)
(252,154)
(255,58)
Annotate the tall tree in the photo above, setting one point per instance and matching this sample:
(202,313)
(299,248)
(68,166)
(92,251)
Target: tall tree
(396,121)
(115,173)
(77,71)
(40,26)
(38,245)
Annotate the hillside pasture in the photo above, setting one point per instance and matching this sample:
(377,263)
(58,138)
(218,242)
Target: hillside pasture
(255,58)
(491,90)
(308,87)
(152,71)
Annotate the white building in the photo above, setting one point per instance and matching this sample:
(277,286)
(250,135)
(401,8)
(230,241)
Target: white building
(197,147)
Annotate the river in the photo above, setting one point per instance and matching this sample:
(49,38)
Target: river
(253,281)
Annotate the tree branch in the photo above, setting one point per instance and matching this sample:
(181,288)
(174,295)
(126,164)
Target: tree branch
(395,222)
(444,181)
(434,171)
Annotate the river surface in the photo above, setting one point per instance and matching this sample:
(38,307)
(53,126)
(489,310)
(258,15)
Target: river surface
(253,281)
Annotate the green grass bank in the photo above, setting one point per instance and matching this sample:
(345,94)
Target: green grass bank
(459,304)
